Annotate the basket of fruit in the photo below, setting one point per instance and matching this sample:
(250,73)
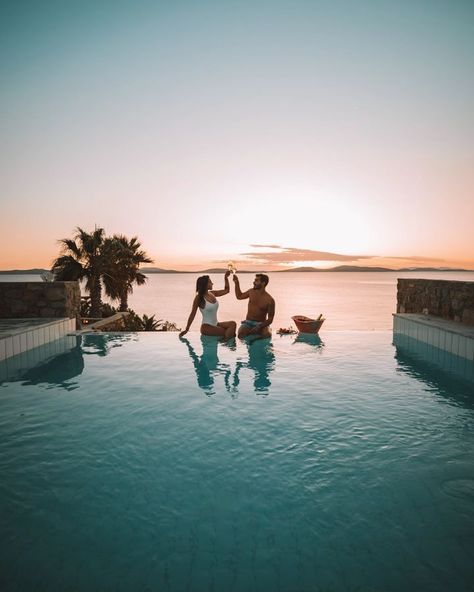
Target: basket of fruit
(307,325)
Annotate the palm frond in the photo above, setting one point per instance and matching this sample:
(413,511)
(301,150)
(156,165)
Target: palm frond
(67,268)
(140,279)
(70,246)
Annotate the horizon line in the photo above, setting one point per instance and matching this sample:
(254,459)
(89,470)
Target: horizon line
(301,269)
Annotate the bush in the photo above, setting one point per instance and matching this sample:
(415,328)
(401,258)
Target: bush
(134,322)
(168,326)
(108,310)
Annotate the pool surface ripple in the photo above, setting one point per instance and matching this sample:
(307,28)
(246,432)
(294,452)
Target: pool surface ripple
(149,463)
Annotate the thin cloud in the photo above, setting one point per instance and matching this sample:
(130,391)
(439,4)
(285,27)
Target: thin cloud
(237,262)
(266,247)
(291,254)
(282,257)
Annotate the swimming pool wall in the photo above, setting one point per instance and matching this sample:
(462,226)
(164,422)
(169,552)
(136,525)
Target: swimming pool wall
(448,336)
(20,335)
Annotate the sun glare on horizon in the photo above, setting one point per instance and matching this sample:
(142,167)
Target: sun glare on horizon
(205,128)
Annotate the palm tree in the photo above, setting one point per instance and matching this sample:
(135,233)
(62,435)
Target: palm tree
(82,258)
(123,257)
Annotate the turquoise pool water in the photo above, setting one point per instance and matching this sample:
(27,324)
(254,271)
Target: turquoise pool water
(146,463)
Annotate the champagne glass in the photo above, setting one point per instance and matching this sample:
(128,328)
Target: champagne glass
(231,267)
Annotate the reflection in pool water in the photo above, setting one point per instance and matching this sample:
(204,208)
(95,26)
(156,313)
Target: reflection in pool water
(58,370)
(259,358)
(442,372)
(58,362)
(355,473)
(207,365)
(100,344)
(314,340)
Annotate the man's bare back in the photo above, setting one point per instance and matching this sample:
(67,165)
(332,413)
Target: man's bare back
(261,307)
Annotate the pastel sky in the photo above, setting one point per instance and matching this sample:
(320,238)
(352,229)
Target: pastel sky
(299,132)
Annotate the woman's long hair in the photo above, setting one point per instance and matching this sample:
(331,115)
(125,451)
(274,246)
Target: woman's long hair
(201,288)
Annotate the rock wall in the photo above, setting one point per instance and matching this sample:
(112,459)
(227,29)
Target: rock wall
(447,299)
(22,300)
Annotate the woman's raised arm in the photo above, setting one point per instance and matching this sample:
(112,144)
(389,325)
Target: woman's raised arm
(226,289)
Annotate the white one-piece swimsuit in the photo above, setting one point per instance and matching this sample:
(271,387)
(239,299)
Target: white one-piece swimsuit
(209,313)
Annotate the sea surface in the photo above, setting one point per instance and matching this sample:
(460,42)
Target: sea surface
(358,301)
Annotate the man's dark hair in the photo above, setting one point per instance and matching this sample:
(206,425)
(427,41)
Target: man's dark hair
(263,278)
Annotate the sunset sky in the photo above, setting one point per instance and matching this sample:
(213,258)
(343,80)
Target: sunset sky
(267,132)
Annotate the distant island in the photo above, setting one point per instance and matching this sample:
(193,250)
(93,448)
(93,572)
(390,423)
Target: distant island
(360,268)
(307,269)
(338,268)
(216,270)
(24,271)
(160,270)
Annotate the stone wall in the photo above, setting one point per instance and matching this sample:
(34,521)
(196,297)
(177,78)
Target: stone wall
(22,300)
(447,299)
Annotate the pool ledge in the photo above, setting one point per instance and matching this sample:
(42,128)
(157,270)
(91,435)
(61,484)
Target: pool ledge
(449,336)
(20,335)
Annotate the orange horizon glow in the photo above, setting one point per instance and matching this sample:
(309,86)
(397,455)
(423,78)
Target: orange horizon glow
(332,136)
(35,259)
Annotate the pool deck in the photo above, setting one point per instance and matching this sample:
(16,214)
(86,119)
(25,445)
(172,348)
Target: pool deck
(20,335)
(449,336)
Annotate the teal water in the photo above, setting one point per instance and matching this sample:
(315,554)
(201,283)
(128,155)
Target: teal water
(149,463)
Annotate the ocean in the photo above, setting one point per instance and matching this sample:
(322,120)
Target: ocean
(356,301)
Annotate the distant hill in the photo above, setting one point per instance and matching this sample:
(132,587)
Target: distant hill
(216,270)
(24,271)
(159,270)
(299,269)
(338,268)
(222,270)
(212,270)
(432,269)
(360,268)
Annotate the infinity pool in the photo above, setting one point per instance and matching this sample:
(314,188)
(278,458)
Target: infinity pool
(149,463)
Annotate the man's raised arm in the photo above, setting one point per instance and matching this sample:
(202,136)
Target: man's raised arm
(238,292)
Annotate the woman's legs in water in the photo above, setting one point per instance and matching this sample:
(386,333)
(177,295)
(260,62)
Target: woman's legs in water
(230,329)
(225,330)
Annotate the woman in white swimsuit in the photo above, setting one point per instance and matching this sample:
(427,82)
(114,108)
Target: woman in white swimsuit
(206,301)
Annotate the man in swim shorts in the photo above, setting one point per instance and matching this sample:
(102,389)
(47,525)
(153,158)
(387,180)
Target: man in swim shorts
(261,308)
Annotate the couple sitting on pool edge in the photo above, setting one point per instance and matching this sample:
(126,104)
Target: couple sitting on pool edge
(260,312)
